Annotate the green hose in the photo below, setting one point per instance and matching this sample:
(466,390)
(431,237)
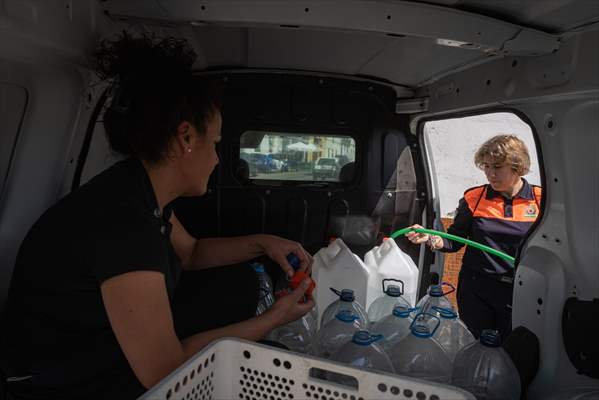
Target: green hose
(449,236)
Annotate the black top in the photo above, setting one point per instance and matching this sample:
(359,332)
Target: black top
(56,327)
(487,217)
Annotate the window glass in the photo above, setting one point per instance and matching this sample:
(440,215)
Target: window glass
(296,157)
(13,100)
(453,142)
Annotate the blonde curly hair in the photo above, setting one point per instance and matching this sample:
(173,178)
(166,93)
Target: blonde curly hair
(504,149)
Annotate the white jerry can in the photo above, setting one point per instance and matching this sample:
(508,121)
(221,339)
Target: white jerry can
(336,266)
(392,263)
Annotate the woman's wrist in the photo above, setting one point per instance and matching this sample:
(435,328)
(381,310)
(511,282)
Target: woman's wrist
(435,242)
(257,244)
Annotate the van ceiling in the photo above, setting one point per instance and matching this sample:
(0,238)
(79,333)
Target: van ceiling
(404,43)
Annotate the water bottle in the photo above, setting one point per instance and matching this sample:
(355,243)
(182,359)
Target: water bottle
(452,335)
(484,369)
(435,300)
(418,355)
(335,334)
(363,352)
(265,290)
(347,301)
(383,306)
(394,327)
(296,335)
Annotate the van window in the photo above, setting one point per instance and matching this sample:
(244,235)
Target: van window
(451,145)
(297,156)
(13,100)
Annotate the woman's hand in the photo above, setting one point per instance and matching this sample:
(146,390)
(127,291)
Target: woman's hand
(416,237)
(435,242)
(277,248)
(290,308)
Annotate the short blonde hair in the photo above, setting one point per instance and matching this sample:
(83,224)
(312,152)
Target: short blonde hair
(507,149)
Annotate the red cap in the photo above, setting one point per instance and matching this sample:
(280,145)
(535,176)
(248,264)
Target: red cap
(297,279)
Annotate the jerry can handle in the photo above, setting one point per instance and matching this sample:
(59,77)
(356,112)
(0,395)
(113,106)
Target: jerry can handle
(393,280)
(451,286)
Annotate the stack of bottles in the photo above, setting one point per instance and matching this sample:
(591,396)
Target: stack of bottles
(426,340)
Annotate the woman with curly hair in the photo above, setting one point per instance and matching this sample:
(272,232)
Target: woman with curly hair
(498,214)
(90,307)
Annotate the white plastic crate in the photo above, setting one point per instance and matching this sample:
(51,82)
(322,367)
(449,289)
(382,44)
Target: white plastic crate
(237,369)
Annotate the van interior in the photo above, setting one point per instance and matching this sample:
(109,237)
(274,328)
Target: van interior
(364,76)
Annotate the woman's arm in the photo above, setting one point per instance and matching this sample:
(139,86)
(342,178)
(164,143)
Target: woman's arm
(462,224)
(213,252)
(138,309)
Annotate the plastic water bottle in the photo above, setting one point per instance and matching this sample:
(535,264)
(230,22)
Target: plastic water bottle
(337,266)
(347,301)
(435,300)
(383,306)
(484,369)
(394,327)
(418,355)
(335,334)
(265,291)
(389,261)
(452,335)
(296,335)
(363,352)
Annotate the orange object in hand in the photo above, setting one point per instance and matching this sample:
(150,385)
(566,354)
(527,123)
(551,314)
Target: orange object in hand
(298,278)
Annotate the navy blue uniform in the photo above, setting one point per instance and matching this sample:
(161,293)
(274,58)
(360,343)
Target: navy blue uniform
(486,281)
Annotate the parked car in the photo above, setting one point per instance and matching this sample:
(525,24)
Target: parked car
(262,163)
(278,163)
(326,168)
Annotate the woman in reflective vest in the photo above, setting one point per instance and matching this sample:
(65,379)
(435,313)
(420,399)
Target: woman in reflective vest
(498,214)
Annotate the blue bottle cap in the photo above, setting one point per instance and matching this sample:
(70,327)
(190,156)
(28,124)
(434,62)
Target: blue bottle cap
(421,330)
(490,338)
(347,295)
(364,338)
(393,291)
(445,312)
(257,267)
(436,291)
(402,311)
(346,316)
(294,261)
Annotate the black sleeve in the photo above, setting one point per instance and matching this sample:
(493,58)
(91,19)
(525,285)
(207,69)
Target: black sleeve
(462,224)
(126,243)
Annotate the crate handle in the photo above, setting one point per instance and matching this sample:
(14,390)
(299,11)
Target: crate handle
(333,377)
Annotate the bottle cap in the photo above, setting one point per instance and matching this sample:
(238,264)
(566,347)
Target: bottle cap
(294,261)
(347,295)
(436,291)
(402,311)
(490,338)
(364,338)
(257,267)
(393,291)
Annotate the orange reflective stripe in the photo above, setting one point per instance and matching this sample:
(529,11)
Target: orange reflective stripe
(490,208)
(473,196)
(523,210)
(538,194)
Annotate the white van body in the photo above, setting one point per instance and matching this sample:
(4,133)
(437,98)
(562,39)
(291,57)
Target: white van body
(539,59)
